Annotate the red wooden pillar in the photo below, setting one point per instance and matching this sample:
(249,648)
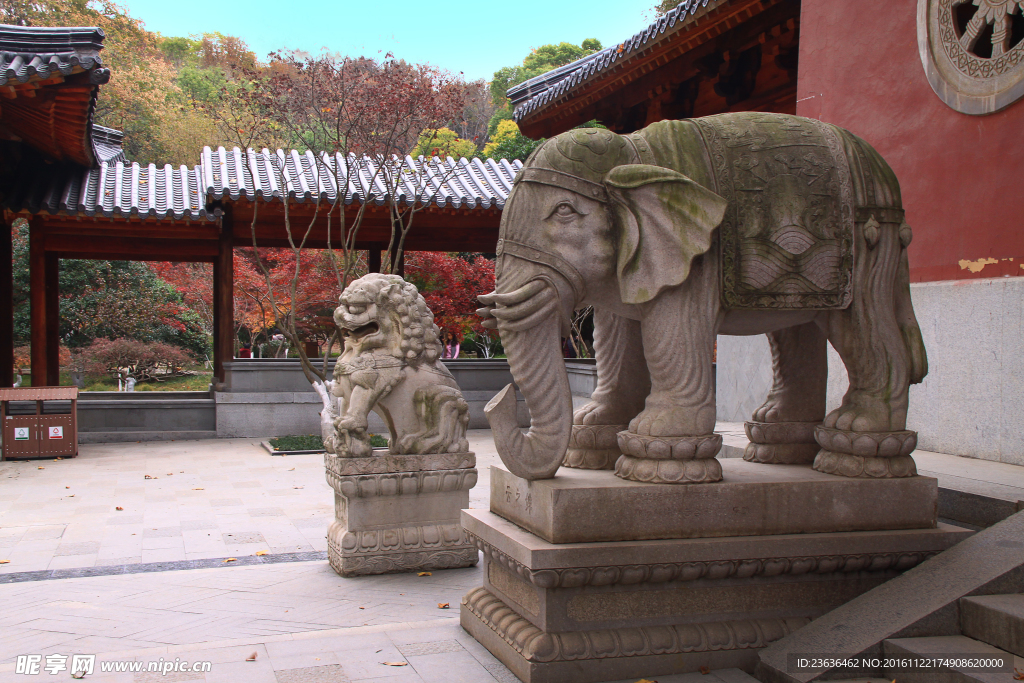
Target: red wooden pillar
(373,258)
(223,300)
(7,305)
(37,301)
(52,319)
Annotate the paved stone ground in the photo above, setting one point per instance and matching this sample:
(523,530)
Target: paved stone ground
(206,499)
(162,590)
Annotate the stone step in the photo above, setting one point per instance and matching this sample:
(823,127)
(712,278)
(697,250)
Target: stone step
(995,619)
(715,676)
(939,646)
(923,600)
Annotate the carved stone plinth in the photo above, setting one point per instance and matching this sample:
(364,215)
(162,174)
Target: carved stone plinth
(579,506)
(878,455)
(669,459)
(399,513)
(586,612)
(780,442)
(593,447)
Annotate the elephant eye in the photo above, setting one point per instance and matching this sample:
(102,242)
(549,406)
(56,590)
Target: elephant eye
(566,210)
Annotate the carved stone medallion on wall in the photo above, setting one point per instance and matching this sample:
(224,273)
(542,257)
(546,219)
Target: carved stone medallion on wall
(973,52)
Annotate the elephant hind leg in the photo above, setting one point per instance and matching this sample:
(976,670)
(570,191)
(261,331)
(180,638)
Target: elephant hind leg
(782,429)
(869,340)
(800,369)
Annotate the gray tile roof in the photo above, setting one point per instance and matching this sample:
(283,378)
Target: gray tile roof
(106,142)
(460,184)
(27,51)
(543,90)
(122,189)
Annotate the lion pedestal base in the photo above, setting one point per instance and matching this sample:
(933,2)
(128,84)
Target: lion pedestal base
(581,611)
(399,513)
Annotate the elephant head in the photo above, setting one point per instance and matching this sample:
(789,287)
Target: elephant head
(586,223)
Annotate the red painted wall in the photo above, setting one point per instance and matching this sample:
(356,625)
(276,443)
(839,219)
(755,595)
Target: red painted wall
(962,177)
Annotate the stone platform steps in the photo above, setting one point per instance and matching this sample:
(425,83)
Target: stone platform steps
(944,646)
(965,601)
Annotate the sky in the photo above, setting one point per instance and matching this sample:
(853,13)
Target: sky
(476,37)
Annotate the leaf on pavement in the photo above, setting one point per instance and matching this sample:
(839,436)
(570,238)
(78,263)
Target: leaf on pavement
(704,670)
(424,574)
(443,605)
(395,663)
(119,508)
(5,561)
(231,559)
(251,658)
(261,552)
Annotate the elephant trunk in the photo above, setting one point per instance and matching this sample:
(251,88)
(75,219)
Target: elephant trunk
(535,358)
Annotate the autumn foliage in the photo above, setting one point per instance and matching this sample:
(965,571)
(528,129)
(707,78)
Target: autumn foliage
(144,361)
(450,285)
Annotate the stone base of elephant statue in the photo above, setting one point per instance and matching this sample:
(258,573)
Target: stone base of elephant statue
(396,509)
(866,454)
(593,447)
(589,577)
(781,442)
(399,513)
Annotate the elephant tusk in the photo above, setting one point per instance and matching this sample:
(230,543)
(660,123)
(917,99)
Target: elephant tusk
(530,321)
(525,309)
(527,291)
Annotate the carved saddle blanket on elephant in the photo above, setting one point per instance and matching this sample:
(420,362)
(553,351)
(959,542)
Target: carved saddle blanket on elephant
(787,236)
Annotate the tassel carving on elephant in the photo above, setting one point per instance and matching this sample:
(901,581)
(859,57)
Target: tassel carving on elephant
(744,223)
(390,365)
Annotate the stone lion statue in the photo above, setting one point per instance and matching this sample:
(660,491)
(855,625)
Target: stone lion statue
(389,364)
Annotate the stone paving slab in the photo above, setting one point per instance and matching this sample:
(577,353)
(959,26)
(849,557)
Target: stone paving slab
(205,500)
(303,621)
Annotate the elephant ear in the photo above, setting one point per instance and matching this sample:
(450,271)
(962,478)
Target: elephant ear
(664,220)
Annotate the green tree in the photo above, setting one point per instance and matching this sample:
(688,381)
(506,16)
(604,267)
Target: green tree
(665,6)
(508,143)
(539,61)
(442,142)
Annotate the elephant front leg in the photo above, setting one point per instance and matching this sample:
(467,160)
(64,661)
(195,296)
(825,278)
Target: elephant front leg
(782,429)
(623,383)
(672,440)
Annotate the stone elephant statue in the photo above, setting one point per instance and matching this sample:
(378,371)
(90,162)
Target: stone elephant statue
(739,224)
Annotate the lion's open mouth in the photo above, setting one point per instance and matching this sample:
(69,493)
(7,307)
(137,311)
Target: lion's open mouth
(363,331)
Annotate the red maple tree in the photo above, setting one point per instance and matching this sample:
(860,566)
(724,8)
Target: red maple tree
(450,285)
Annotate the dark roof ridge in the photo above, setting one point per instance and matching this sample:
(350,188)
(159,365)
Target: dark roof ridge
(50,39)
(540,91)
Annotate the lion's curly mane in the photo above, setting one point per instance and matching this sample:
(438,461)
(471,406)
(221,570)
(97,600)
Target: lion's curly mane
(420,336)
